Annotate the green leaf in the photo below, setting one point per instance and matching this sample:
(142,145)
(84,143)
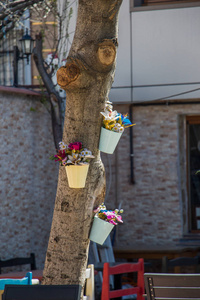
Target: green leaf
(52,157)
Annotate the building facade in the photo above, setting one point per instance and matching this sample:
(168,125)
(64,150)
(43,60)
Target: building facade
(157,82)
(152,173)
(28,178)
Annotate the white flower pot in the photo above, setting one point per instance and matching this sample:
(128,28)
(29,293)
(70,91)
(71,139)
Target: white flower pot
(108,140)
(100,230)
(76,175)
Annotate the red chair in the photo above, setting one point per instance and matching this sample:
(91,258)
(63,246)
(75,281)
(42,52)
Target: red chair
(121,269)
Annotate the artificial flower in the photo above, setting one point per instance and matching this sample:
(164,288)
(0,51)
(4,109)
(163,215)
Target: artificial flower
(72,154)
(112,120)
(75,146)
(109,216)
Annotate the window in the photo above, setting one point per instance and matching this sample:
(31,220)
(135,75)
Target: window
(138,5)
(193,165)
(6,58)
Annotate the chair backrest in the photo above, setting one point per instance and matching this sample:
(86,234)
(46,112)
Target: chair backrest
(42,292)
(19,261)
(25,281)
(89,285)
(172,286)
(180,261)
(123,269)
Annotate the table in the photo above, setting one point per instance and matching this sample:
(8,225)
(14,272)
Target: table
(155,251)
(37,274)
(153,254)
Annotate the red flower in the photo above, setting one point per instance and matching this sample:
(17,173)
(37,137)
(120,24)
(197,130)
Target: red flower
(75,146)
(60,155)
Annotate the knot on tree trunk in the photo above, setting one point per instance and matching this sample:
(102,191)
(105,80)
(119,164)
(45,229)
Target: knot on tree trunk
(67,74)
(106,52)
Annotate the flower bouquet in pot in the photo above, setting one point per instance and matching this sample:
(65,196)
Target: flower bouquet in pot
(75,159)
(103,223)
(113,126)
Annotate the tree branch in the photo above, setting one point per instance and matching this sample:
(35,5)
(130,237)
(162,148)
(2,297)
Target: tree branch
(55,99)
(10,12)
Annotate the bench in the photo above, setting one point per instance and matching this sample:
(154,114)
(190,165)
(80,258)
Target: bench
(172,286)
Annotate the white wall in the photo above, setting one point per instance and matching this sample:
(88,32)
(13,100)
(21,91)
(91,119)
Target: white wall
(165,50)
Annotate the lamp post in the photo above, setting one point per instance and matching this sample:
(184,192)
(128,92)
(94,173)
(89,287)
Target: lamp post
(26,47)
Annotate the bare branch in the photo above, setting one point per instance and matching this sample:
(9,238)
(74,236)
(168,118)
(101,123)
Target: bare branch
(55,99)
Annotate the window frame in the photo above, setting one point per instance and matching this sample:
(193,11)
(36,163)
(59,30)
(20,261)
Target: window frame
(183,4)
(190,120)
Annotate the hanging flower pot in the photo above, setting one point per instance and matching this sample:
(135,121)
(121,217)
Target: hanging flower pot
(103,223)
(108,140)
(75,158)
(114,124)
(76,175)
(100,230)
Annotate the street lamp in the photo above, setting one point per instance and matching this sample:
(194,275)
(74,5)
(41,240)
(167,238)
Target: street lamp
(26,45)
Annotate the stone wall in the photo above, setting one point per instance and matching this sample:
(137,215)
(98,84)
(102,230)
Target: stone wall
(28,179)
(153,208)
(152,205)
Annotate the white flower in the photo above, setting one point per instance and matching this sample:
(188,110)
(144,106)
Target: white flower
(82,154)
(108,107)
(74,156)
(69,161)
(87,152)
(62,146)
(121,129)
(109,102)
(118,128)
(110,115)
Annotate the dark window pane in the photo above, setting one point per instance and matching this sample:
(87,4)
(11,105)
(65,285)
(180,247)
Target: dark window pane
(194,179)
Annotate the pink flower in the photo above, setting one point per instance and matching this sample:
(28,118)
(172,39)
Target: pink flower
(75,146)
(113,222)
(119,219)
(110,216)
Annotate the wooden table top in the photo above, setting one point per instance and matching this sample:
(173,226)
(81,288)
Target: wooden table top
(37,274)
(156,248)
(155,251)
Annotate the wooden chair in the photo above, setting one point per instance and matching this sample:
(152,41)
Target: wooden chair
(172,286)
(123,269)
(89,285)
(42,292)
(180,261)
(19,261)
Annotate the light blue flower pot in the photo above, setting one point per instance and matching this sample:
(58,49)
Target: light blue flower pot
(100,230)
(108,140)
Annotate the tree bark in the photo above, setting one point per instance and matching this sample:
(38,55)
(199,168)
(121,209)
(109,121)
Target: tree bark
(87,79)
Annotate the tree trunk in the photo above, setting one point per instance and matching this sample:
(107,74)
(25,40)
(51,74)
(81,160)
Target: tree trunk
(87,79)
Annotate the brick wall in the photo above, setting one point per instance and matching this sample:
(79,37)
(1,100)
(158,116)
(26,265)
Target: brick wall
(28,179)
(152,205)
